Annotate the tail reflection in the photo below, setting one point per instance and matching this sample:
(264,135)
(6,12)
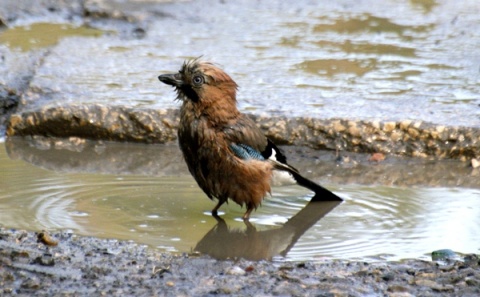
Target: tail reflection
(221,242)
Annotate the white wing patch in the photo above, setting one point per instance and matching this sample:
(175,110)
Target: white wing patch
(273,156)
(282,178)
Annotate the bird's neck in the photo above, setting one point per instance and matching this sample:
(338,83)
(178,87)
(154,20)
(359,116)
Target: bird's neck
(217,105)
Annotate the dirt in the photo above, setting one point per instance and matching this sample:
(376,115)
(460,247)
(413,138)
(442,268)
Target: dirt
(65,264)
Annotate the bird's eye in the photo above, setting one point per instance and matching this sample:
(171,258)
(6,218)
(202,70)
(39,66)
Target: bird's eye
(197,80)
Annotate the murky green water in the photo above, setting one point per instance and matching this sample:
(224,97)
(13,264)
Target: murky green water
(144,193)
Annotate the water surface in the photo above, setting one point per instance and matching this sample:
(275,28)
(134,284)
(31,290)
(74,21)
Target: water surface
(153,200)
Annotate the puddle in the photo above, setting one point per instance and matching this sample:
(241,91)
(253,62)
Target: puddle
(39,35)
(144,193)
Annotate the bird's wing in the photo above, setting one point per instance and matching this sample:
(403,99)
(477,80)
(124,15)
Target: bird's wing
(246,152)
(248,142)
(244,131)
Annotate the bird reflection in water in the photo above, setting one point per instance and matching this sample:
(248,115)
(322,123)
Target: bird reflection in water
(221,242)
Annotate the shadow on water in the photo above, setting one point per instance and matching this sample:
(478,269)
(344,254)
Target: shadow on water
(222,242)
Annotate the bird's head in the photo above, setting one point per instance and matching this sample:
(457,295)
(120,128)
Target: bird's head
(202,83)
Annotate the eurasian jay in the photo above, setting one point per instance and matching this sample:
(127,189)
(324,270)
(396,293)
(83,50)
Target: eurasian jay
(225,151)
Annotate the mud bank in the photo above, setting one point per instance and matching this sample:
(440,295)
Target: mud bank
(65,264)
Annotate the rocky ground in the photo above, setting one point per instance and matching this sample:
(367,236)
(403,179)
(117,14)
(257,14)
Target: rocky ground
(63,264)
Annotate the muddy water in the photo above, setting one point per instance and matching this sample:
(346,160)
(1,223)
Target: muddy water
(392,60)
(144,193)
(40,35)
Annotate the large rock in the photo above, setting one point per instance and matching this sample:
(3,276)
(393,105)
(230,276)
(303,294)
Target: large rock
(97,122)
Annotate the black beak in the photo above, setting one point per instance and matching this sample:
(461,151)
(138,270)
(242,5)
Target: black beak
(171,79)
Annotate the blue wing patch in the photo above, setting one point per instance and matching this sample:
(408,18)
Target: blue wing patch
(246,152)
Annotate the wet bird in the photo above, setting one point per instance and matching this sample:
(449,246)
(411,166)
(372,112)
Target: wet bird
(225,151)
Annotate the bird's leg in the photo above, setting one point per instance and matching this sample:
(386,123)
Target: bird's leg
(215,210)
(246,215)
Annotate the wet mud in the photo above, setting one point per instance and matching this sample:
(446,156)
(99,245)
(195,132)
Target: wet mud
(85,266)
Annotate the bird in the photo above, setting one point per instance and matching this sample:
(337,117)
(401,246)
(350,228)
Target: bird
(227,154)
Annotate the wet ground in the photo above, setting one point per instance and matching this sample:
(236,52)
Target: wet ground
(64,264)
(347,59)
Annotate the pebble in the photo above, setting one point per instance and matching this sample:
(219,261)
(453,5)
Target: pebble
(475,163)
(389,126)
(235,270)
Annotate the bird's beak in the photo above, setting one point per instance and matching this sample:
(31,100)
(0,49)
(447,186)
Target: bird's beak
(171,79)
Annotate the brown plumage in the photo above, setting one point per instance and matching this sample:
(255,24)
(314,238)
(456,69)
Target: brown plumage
(227,154)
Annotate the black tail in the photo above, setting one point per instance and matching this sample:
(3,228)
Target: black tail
(321,194)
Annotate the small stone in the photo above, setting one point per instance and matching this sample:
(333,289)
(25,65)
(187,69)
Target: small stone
(475,163)
(417,124)
(46,239)
(170,284)
(398,289)
(388,277)
(471,260)
(31,283)
(45,260)
(419,154)
(413,132)
(404,124)
(426,283)
(353,130)
(14,121)
(377,157)
(440,129)
(30,121)
(338,127)
(400,294)
(309,282)
(434,285)
(395,136)
(443,254)
(235,270)
(472,282)
(444,288)
(389,126)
